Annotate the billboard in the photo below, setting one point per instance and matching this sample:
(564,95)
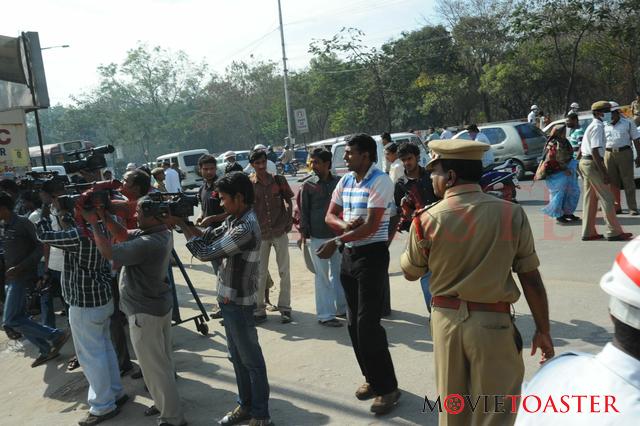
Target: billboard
(14,151)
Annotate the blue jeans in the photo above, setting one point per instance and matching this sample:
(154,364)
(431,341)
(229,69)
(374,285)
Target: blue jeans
(424,283)
(247,359)
(92,340)
(15,316)
(330,300)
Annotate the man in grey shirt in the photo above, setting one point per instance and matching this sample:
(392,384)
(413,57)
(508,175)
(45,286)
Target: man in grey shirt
(146,299)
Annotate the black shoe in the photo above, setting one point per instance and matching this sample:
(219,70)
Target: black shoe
(217,314)
(619,211)
(151,411)
(625,236)
(44,358)
(259,319)
(238,415)
(593,237)
(573,218)
(285,317)
(92,419)
(562,219)
(331,323)
(634,212)
(126,370)
(122,400)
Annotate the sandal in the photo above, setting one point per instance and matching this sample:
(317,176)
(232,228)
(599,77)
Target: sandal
(73,364)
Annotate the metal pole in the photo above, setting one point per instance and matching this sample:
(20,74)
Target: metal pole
(284,64)
(33,97)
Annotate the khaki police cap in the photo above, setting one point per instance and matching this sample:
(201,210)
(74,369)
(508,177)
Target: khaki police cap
(456,149)
(600,105)
(156,171)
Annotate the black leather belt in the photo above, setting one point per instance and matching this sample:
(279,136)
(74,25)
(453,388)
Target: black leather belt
(587,157)
(624,148)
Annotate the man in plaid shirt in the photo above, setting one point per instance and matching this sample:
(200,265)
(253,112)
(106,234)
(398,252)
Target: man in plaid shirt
(86,287)
(236,243)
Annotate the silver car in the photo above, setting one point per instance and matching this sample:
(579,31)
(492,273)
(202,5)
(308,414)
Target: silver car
(521,142)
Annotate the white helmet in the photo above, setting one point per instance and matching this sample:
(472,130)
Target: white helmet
(574,105)
(259,147)
(534,107)
(229,154)
(621,283)
(614,106)
(131,166)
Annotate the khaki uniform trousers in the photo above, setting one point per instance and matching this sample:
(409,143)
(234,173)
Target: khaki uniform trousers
(151,340)
(281,246)
(620,167)
(476,354)
(595,190)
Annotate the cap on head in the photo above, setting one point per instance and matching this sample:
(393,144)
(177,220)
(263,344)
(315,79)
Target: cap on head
(534,107)
(131,166)
(622,283)
(259,147)
(614,106)
(456,149)
(575,105)
(229,154)
(600,106)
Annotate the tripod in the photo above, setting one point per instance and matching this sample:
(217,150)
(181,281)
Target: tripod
(201,319)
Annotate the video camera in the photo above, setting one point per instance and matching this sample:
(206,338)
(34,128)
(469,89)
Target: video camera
(88,195)
(175,204)
(37,181)
(88,159)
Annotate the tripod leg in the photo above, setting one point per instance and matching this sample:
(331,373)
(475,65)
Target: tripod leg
(190,284)
(175,316)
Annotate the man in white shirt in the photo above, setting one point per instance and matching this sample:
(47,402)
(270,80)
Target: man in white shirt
(609,382)
(446,134)
(618,158)
(531,118)
(171,178)
(596,179)
(476,135)
(396,168)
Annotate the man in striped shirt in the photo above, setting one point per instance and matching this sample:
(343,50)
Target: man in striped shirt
(365,197)
(86,287)
(236,243)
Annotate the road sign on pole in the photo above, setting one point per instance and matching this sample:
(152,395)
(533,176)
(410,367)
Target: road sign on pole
(301,120)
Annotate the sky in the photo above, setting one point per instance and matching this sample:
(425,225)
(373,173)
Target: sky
(214,31)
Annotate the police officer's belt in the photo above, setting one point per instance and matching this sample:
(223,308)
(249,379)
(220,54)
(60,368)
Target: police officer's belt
(624,148)
(587,157)
(453,303)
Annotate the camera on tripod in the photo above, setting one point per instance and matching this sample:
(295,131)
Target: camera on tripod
(176,204)
(90,159)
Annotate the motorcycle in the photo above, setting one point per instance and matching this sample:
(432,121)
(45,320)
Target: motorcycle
(501,181)
(289,168)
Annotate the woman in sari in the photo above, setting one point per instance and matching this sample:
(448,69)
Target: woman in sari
(560,169)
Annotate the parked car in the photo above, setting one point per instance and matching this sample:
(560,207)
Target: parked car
(340,168)
(521,142)
(187,162)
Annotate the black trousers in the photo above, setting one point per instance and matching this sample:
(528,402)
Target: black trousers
(117,327)
(362,274)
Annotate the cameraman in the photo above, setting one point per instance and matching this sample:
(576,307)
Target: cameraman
(86,287)
(237,241)
(146,299)
(22,252)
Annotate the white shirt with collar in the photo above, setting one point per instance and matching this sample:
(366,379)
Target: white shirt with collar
(531,118)
(621,134)
(172,180)
(593,138)
(611,372)
(446,134)
(487,157)
(396,170)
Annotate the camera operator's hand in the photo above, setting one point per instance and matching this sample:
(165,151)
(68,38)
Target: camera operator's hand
(91,216)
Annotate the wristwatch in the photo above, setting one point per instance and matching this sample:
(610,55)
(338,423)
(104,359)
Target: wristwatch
(339,242)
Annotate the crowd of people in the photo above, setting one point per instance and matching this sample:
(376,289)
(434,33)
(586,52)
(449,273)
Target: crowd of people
(112,263)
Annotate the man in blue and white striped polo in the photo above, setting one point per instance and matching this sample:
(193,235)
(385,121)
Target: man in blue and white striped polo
(365,197)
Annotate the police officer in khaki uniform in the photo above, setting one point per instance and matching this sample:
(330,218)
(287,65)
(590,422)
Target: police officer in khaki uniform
(596,179)
(471,242)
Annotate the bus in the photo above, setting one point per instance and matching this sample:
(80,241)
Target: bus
(57,153)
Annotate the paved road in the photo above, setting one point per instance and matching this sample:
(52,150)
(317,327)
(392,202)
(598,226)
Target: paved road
(312,370)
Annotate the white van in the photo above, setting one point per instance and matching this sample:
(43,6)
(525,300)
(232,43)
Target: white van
(337,150)
(187,162)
